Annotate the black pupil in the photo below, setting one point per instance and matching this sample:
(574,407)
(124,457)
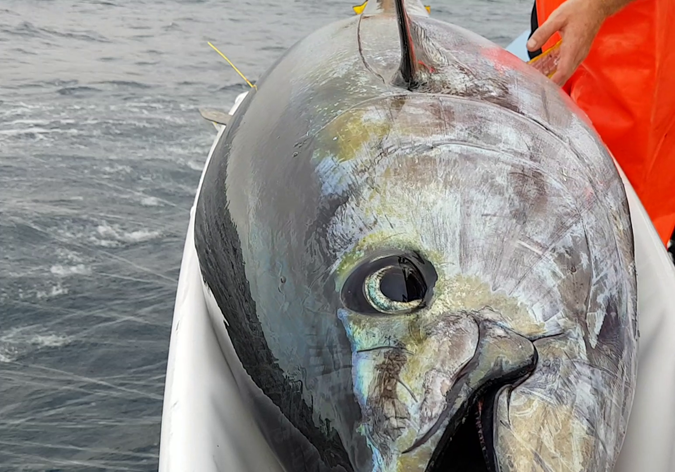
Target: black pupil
(402,284)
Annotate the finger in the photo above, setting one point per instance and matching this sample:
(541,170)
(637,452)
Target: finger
(545,31)
(565,67)
(573,51)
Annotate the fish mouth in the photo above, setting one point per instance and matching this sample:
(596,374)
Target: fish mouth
(468,443)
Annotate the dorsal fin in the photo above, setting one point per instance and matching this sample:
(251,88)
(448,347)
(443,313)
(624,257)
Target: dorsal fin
(409,66)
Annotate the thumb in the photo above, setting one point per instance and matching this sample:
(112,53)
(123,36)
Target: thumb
(545,31)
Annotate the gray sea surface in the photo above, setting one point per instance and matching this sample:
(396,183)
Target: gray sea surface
(101,149)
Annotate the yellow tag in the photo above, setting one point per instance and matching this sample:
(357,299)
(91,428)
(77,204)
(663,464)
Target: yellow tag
(358,9)
(547,61)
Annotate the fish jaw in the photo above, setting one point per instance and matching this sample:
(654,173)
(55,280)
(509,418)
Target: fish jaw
(416,392)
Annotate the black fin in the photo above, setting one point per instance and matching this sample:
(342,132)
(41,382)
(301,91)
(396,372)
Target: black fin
(408,69)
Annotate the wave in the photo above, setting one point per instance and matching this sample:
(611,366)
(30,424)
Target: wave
(238,87)
(126,83)
(28,29)
(273,48)
(89,36)
(77,89)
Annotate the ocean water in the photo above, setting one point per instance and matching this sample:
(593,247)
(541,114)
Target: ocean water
(101,149)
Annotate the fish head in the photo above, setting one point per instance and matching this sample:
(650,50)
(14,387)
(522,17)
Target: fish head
(488,300)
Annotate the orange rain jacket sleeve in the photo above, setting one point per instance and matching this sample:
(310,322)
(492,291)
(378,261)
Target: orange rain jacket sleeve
(626,86)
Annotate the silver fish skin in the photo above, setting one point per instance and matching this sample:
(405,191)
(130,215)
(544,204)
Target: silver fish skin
(427,277)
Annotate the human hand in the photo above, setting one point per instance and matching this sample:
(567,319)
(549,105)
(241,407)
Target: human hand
(578,22)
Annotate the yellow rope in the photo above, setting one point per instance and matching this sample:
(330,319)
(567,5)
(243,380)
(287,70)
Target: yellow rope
(233,66)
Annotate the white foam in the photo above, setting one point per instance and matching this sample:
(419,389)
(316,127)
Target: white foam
(65,271)
(58,290)
(68,255)
(7,354)
(19,132)
(49,340)
(194,165)
(116,234)
(106,243)
(29,122)
(140,236)
(17,342)
(150,202)
(55,291)
(117,169)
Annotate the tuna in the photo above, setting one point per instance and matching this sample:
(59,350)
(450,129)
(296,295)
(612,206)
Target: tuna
(421,253)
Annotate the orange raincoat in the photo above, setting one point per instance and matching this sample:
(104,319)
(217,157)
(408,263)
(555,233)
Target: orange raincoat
(626,86)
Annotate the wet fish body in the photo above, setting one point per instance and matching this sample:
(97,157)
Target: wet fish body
(420,275)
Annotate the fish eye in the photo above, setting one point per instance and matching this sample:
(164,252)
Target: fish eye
(395,289)
(390,285)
